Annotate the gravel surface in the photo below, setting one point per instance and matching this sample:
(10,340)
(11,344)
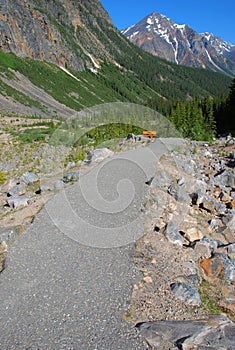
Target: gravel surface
(57,293)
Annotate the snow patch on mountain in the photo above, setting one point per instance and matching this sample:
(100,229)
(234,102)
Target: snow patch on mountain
(181,44)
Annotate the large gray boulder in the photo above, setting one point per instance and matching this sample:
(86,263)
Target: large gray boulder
(217,332)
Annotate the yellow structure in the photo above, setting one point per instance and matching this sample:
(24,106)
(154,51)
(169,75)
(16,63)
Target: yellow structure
(149,134)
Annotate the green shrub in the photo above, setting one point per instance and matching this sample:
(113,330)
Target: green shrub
(3,177)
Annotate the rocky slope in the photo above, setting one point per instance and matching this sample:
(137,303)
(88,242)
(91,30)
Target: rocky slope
(187,254)
(69,53)
(181,44)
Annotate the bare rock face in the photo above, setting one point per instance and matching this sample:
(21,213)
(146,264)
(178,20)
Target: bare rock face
(61,32)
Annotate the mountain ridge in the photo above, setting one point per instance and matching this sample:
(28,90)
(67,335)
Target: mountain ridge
(179,43)
(72,51)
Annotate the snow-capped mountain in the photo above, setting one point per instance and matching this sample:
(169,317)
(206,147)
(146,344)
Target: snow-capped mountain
(181,44)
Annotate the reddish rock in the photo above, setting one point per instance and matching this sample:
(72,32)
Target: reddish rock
(212,267)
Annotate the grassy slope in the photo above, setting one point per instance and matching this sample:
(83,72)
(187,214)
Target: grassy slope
(110,84)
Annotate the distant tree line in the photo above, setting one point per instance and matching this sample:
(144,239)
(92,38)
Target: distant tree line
(202,119)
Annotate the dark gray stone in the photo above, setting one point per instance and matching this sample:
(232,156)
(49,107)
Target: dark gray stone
(172,233)
(158,333)
(186,292)
(215,333)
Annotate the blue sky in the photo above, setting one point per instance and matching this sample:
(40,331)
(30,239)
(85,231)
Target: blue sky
(216,17)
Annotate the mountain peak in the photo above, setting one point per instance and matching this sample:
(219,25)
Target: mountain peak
(179,43)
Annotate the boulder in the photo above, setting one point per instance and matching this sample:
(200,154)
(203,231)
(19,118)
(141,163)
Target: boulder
(221,337)
(214,333)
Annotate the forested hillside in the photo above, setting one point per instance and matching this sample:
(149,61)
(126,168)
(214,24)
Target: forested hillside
(58,57)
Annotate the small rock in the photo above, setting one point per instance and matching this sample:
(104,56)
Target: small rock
(148,279)
(8,234)
(3,247)
(225,178)
(45,187)
(193,234)
(220,266)
(17,190)
(232,194)
(179,193)
(172,233)
(18,202)
(186,292)
(229,235)
(71,176)
(213,223)
(162,179)
(29,178)
(205,248)
(208,205)
(225,197)
(228,297)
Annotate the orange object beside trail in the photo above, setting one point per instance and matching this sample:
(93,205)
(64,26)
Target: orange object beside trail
(149,134)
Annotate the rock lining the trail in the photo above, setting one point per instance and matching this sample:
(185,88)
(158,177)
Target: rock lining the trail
(189,241)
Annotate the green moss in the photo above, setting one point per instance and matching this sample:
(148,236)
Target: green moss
(209,297)
(3,177)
